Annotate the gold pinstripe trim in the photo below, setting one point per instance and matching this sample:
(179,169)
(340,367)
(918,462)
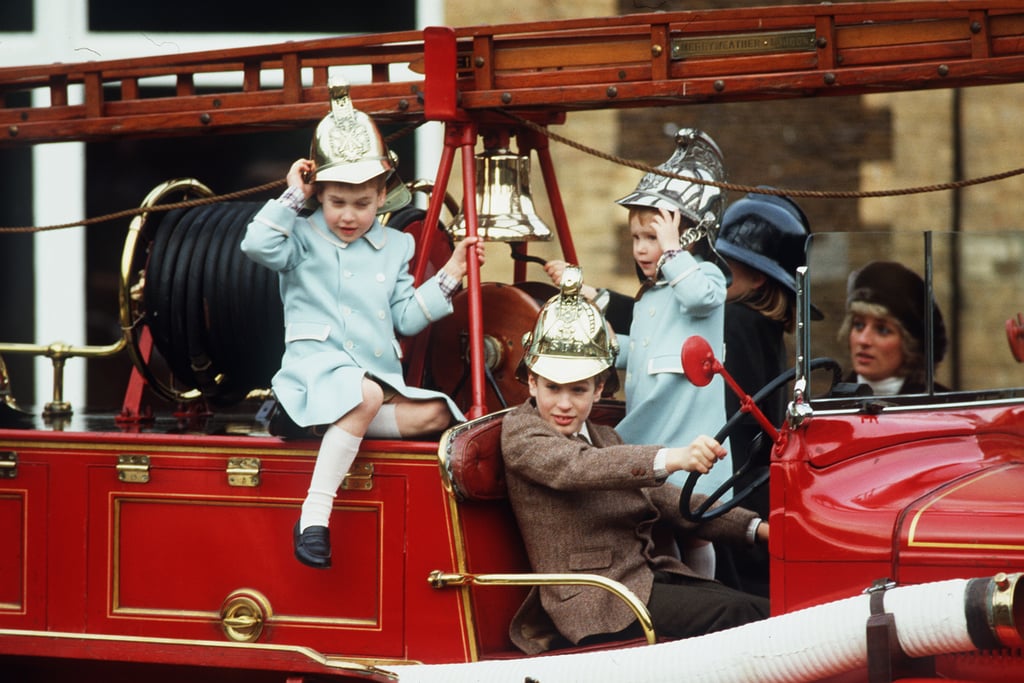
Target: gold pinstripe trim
(912,543)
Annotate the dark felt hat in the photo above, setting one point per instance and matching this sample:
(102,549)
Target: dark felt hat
(900,291)
(767,233)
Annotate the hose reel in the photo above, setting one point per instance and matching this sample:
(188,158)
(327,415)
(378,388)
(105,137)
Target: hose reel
(214,316)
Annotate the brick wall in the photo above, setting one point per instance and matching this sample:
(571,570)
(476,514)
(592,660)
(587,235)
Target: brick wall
(823,144)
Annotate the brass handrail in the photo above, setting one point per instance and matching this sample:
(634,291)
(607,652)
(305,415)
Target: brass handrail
(439,579)
(58,353)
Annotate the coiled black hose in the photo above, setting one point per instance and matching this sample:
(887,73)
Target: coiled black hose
(215,315)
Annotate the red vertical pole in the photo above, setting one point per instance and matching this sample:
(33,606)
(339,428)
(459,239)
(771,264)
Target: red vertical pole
(444,171)
(417,351)
(467,141)
(441,104)
(131,408)
(540,143)
(440,93)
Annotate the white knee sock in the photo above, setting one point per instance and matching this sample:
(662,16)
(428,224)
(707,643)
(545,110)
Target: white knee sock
(338,450)
(384,424)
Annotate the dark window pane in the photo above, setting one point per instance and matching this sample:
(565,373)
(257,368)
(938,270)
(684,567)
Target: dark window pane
(16,258)
(247,16)
(15,15)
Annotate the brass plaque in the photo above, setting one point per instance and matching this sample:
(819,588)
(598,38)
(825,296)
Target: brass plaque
(743,44)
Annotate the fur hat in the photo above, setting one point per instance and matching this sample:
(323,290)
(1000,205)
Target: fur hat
(901,292)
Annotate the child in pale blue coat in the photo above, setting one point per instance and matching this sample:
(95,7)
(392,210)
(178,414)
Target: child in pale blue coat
(673,223)
(346,288)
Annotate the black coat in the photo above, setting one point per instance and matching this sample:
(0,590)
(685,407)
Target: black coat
(755,354)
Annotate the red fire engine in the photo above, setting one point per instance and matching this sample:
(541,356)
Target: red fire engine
(151,546)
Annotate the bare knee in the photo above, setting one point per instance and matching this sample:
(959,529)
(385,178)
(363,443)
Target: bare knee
(358,419)
(437,417)
(373,398)
(422,417)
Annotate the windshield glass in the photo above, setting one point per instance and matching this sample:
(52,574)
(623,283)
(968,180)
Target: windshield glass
(885,330)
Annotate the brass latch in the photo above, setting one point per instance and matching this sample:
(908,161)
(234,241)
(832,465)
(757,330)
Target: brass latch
(243,472)
(244,614)
(8,464)
(359,477)
(133,469)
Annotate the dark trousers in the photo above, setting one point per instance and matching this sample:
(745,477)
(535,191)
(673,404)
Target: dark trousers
(685,607)
(745,570)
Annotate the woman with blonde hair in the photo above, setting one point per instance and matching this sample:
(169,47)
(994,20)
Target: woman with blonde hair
(886,331)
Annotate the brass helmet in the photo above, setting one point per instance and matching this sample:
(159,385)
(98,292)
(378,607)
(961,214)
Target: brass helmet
(696,156)
(347,147)
(571,340)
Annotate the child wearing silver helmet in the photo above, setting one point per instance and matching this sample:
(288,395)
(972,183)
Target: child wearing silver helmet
(673,222)
(347,290)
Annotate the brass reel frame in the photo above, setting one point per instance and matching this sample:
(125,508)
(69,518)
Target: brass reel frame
(134,258)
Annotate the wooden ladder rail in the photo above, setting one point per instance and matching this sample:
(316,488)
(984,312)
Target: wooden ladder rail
(635,60)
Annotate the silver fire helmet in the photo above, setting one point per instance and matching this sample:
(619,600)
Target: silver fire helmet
(698,157)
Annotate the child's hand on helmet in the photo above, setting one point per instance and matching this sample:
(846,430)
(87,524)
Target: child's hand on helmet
(666,226)
(555,268)
(300,175)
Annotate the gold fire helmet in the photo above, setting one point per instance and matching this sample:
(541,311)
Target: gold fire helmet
(696,156)
(571,340)
(348,148)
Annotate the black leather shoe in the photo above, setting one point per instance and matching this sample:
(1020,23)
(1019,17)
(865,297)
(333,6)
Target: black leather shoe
(313,546)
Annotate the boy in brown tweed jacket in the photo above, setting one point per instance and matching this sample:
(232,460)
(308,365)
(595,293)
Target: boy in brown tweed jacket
(586,502)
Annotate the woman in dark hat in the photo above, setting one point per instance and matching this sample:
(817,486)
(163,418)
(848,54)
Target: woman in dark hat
(763,240)
(886,329)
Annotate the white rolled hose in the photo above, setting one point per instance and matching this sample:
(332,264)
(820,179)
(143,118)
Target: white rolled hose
(943,617)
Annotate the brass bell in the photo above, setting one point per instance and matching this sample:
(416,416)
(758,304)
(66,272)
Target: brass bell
(505,210)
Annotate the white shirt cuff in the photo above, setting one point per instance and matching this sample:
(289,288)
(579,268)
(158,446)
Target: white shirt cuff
(660,473)
(293,198)
(752,530)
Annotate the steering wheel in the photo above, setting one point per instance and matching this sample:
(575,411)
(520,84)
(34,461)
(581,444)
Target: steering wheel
(704,511)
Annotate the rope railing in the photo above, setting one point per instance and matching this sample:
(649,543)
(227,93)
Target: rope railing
(760,189)
(591,151)
(185,203)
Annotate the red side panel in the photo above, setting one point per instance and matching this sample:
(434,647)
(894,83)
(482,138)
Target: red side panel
(23,533)
(85,551)
(914,496)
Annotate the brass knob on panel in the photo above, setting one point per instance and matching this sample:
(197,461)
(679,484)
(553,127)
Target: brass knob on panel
(243,615)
